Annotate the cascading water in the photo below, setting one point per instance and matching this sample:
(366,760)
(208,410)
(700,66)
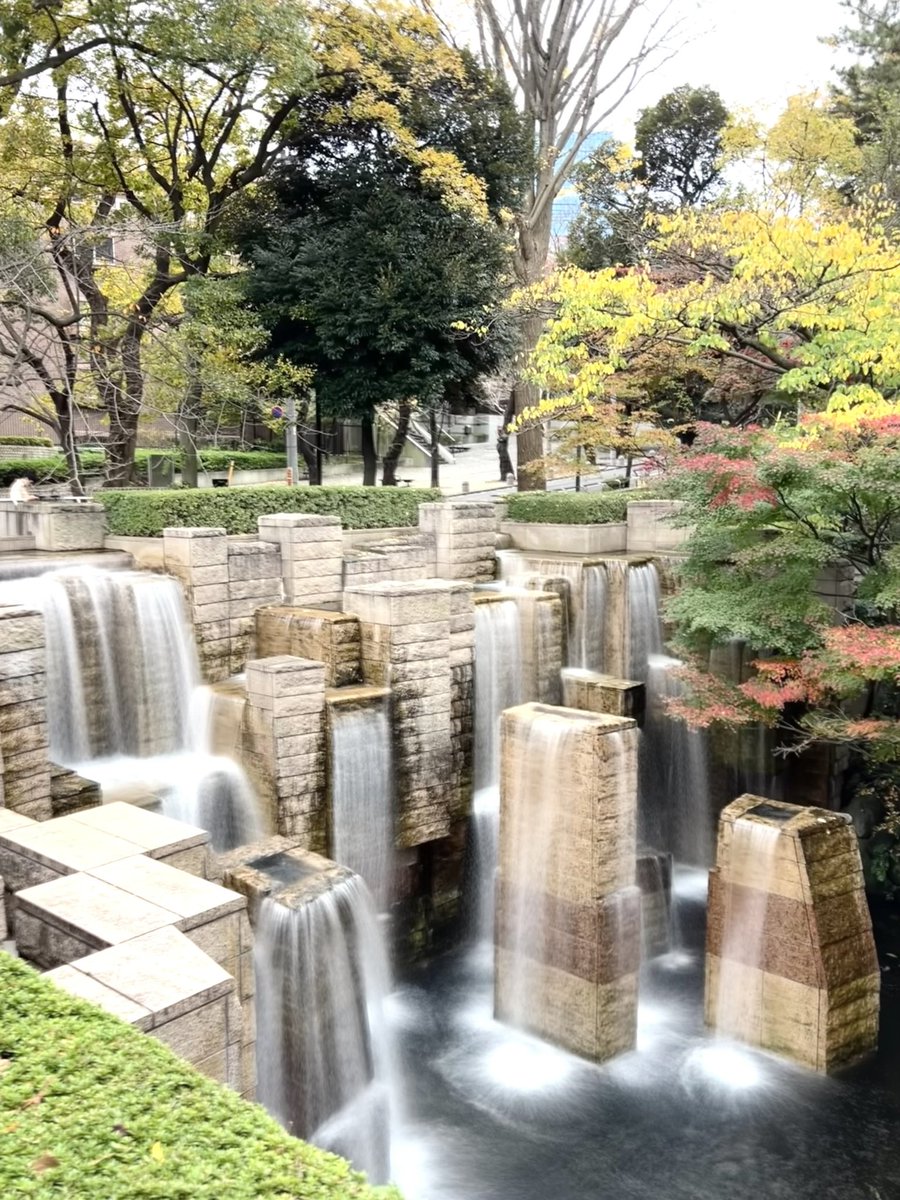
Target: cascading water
(123,705)
(675,810)
(582,587)
(362,795)
(324,1055)
(498,685)
(644,625)
(752,857)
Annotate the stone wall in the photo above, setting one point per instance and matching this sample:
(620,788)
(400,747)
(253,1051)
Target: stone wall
(331,638)
(790,962)
(24,737)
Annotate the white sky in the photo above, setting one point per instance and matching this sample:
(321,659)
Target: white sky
(755,53)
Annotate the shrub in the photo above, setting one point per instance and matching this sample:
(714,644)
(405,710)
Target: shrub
(218,460)
(25,441)
(574,508)
(92,1108)
(141,513)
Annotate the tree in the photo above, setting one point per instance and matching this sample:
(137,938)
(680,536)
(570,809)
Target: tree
(611,227)
(679,141)
(560,61)
(389,294)
(809,302)
(868,85)
(768,510)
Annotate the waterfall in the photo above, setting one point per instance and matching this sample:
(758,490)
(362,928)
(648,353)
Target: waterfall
(752,860)
(644,625)
(323,1052)
(582,587)
(498,685)
(362,795)
(675,812)
(123,703)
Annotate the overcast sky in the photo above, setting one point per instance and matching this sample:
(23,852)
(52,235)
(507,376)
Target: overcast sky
(755,53)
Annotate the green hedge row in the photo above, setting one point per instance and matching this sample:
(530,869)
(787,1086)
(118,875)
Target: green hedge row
(147,513)
(574,508)
(54,470)
(91,1108)
(25,441)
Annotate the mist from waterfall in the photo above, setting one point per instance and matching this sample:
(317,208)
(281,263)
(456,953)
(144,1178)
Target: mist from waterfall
(362,795)
(324,1053)
(124,705)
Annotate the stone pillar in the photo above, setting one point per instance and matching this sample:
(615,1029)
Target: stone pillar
(311,549)
(254,580)
(542,617)
(790,957)
(24,739)
(593,692)
(331,638)
(568,926)
(199,558)
(464,537)
(284,743)
(406,646)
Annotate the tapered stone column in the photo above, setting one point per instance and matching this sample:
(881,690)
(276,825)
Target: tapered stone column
(790,957)
(568,927)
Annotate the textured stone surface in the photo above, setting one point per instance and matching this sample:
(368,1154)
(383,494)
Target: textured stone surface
(568,924)
(284,743)
(24,741)
(331,638)
(595,692)
(463,533)
(407,645)
(805,975)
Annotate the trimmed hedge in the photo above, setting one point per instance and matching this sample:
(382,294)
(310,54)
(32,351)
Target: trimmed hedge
(91,1108)
(25,441)
(575,508)
(218,460)
(146,514)
(54,470)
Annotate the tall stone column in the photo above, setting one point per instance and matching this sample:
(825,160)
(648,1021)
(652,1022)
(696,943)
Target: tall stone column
(311,549)
(24,738)
(199,558)
(462,694)
(406,646)
(790,958)
(284,743)
(464,535)
(568,928)
(254,580)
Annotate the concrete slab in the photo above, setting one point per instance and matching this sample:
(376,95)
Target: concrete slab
(162,970)
(91,910)
(151,832)
(190,900)
(85,987)
(13,820)
(65,844)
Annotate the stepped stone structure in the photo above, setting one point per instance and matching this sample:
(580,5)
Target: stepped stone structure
(790,957)
(568,927)
(311,549)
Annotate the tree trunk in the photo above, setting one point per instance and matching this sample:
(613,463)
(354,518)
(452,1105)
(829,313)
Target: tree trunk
(435,448)
(369,456)
(531,262)
(67,442)
(389,474)
(506,465)
(189,424)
